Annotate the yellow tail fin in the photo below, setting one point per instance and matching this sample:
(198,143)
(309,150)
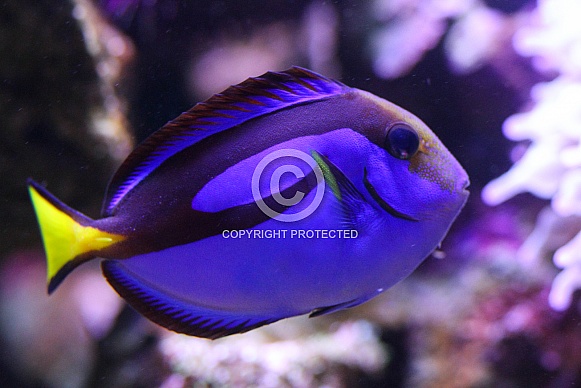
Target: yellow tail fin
(68,239)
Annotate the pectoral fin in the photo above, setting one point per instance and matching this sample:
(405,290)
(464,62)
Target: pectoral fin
(352,203)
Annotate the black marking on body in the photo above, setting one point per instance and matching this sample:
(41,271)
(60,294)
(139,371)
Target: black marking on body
(382,203)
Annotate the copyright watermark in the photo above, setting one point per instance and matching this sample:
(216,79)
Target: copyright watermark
(270,171)
(306,234)
(275,184)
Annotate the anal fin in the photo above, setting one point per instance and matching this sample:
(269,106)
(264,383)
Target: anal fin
(179,315)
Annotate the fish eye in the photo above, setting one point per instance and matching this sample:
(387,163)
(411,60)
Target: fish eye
(402,141)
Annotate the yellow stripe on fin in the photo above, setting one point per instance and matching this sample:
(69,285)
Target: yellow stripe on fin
(64,237)
(328,174)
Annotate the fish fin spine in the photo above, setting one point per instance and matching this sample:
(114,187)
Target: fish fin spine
(345,305)
(68,237)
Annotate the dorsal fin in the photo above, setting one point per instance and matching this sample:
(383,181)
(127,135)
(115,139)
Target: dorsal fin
(237,104)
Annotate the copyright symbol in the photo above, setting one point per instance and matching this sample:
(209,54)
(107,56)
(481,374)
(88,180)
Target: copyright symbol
(275,184)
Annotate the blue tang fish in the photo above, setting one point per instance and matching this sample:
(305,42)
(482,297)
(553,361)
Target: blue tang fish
(287,194)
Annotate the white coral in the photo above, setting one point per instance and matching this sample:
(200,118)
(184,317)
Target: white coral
(409,29)
(551,166)
(261,360)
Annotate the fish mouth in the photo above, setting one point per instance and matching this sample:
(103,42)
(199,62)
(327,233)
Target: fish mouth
(463,188)
(381,202)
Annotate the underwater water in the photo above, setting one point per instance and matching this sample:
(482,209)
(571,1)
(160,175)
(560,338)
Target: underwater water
(83,82)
